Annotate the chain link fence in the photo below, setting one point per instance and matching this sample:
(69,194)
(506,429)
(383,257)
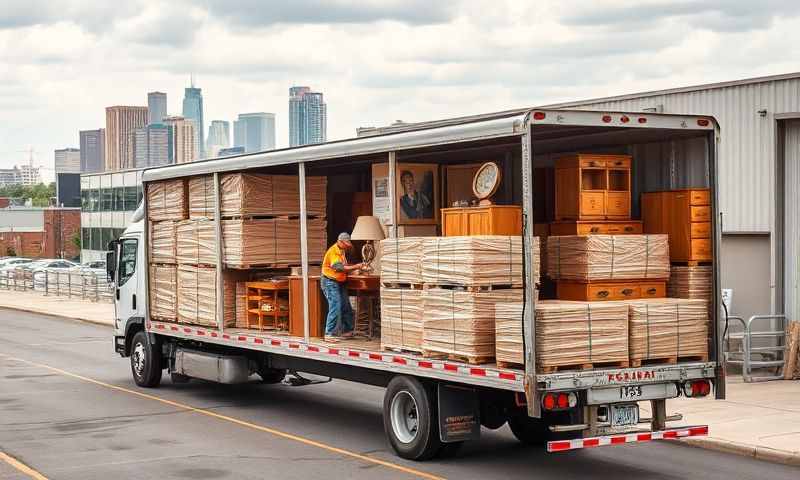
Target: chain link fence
(92,285)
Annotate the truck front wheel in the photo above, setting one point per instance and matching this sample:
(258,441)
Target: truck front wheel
(146,361)
(410,420)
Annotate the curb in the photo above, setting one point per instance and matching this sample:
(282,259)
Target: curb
(766,454)
(63,317)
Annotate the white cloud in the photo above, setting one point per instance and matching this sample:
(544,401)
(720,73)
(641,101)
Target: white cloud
(63,61)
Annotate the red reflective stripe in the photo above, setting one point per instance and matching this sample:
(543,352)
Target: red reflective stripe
(477,371)
(450,367)
(258,340)
(670,434)
(375,356)
(275,343)
(400,360)
(200,332)
(507,376)
(312,348)
(214,334)
(618,440)
(160,326)
(294,345)
(187,330)
(226,336)
(174,329)
(644,437)
(353,354)
(425,364)
(591,442)
(242,339)
(333,351)
(699,430)
(558,446)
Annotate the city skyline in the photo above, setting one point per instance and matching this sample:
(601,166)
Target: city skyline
(254,131)
(308,117)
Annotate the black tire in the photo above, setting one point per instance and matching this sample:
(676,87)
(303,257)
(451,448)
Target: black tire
(530,431)
(272,375)
(415,435)
(146,361)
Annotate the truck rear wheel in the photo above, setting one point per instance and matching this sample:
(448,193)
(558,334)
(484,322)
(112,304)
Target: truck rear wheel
(530,431)
(146,361)
(410,420)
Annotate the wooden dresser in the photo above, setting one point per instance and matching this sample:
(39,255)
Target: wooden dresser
(487,220)
(317,307)
(593,187)
(685,215)
(604,227)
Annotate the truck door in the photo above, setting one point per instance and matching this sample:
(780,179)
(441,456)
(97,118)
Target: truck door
(126,292)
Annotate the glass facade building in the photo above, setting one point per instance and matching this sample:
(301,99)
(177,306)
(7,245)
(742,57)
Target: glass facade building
(193,110)
(308,117)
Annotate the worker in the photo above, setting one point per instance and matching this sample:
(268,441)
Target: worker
(334,286)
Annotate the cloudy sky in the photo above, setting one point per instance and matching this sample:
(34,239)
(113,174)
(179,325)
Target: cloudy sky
(63,61)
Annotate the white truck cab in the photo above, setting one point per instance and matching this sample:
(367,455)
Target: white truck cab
(126,266)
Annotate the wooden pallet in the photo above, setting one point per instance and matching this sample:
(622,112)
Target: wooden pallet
(583,366)
(469,359)
(403,349)
(668,360)
(472,288)
(407,286)
(511,365)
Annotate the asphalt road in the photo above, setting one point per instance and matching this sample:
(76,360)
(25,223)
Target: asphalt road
(70,410)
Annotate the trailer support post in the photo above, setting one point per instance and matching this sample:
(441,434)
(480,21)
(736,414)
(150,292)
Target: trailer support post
(304,245)
(392,193)
(218,239)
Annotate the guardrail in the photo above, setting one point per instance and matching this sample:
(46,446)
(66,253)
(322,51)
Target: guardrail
(744,356)
(84,284)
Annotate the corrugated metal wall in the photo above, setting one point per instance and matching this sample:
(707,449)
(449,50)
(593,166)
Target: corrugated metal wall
(747,147)
(792,220)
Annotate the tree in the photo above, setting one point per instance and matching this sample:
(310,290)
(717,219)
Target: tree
(40,194)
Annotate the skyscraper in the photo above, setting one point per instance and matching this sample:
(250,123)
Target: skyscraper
(68,160)
(184,139)
(254,131)
(193,110)
(157,107)
(219,137)
(93,150)
(152,146)
(121,121)
(308,117)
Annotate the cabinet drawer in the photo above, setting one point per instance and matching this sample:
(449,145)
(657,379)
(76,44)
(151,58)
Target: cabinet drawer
(592,204)
(599,292)
(701,249)
(700,214)
(624,162)
(618,204)
(654,290)
(623,228)
(701,229)
(626,292)
(699,197)
(592,162)
(591,229)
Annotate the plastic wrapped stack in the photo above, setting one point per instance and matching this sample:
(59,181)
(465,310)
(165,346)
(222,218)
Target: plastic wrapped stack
(167,200)
(162,242)
(255,194)
(461,324)
(608,257)
(196,242)
(509,348)
(163,296)
(580,335)
(197,295)
(201,196)
(400,261)
(668,329)
(474,260)
(401,319)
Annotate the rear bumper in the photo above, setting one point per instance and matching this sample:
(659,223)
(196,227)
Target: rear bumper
(619,439)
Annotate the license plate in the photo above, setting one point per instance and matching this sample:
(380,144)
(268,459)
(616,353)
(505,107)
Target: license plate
(633,393)
(630,392)
(622,415)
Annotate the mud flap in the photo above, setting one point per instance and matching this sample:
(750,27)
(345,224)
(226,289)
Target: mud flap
(459,413)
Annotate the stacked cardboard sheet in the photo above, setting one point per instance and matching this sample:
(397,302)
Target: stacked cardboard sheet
(241,305)
(162,241)
(163,296)
(201,196)
(580,333)
(166,200)
(668,328)
(461,323)
(608,257)
(690,282)
(197,295)
(509,347)
(270,241)
(474,260)
(254,194)
(401,319)
(400,260)
(196,242)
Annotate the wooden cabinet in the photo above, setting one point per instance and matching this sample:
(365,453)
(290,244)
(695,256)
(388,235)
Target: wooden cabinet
(593,187)
(606,227)
(600,291)
(317,308)
(685,215)
(488,220)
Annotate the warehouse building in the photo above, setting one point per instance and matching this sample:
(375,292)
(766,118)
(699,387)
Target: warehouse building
(759,176)
(40,232)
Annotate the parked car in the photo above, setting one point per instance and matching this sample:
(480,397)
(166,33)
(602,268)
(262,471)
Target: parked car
(41,269)
(13,262)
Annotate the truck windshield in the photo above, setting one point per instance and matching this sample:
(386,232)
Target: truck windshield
(127,260)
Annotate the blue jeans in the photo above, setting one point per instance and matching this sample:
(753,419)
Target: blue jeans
(340,313)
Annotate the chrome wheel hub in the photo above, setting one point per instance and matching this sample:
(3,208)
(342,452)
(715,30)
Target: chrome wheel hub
(137,359)
(404,417)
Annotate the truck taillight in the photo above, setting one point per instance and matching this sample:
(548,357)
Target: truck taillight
(697,388)
(642,120)
(538,115)
(624,119)
(559,401)
(703,122)
(606,118)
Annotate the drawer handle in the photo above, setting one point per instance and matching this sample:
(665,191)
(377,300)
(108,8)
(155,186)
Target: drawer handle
(651,291)
(602,293)
(592,164)
(627,292)
(594,229)
(618,163)
(628,229)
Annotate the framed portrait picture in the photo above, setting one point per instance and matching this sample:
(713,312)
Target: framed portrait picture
(417,192)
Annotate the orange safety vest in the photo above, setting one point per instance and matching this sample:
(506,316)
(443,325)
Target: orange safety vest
(332,256)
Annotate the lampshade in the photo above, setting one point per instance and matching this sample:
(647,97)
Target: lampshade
(367,228)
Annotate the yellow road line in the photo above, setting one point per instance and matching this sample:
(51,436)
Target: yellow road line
(236,421)
(21,467)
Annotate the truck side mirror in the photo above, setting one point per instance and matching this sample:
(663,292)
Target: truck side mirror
(111,259)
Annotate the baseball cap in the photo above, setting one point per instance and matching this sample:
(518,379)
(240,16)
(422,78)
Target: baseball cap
(344,237)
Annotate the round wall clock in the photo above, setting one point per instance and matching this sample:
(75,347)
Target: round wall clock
(486,182)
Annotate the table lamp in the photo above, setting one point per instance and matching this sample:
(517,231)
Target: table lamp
(367,228)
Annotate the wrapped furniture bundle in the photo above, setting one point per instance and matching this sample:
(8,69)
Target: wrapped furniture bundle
(197,295)
(474,260)
(163,297)
(587,258)
(668,329)
(255,194)
(162,241)
(166,200)
(401,319)
(401,260)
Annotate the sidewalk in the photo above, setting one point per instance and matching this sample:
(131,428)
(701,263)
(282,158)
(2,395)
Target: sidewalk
(760,420)
(101,312)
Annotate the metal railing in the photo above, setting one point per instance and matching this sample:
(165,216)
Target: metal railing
(82,284)
(771,356)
